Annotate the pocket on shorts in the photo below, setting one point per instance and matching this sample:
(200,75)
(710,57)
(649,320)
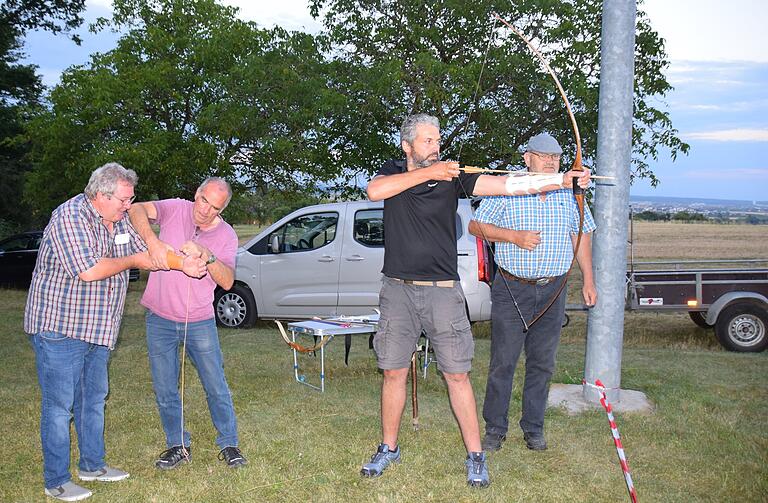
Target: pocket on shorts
(463,343)
(380,339)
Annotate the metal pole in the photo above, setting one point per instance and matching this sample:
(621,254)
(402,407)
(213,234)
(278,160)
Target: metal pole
(605,327)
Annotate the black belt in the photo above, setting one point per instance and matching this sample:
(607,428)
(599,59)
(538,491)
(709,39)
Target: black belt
(528,281)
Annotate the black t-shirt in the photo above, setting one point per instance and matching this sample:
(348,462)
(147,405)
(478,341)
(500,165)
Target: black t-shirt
(420,227)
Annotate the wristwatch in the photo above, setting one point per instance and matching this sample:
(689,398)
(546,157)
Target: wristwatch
(211,259)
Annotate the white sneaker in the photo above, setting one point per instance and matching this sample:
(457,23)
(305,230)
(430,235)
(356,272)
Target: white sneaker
(69,491)
(106,474)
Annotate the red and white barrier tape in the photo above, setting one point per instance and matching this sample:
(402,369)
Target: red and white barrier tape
(616,438)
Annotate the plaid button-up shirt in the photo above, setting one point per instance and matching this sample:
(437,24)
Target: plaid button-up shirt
(557,217)
(59,301)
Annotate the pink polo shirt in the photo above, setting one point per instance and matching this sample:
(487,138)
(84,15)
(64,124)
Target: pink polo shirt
(167,291)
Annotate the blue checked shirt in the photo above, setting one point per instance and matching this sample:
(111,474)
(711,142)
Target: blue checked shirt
(59,301)
(556,217)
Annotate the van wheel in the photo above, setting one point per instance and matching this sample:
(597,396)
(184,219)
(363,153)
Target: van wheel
(742,327)
(235,308)
(699,318)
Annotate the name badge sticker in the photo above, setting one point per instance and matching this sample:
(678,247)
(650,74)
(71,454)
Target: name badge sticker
(122,239)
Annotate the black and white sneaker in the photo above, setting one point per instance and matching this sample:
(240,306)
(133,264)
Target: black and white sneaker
(173,457)
(232,456)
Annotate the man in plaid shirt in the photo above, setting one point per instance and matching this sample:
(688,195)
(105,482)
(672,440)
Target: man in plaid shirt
(73,315)
(535,236)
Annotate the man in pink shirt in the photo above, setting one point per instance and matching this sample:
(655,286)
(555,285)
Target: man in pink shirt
(178,305)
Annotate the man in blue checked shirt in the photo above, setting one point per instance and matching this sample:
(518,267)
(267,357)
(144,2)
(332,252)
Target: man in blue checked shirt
(73,315)
(536,236)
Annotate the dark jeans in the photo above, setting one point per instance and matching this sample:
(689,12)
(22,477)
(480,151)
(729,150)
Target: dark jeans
(508,340)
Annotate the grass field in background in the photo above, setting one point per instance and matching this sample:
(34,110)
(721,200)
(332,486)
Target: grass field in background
(705,441)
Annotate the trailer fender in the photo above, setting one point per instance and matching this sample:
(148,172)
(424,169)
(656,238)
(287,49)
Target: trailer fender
(717,306)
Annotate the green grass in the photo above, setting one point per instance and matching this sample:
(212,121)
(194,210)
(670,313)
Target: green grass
(705,441)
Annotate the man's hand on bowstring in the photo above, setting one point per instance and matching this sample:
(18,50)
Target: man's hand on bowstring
(443,170)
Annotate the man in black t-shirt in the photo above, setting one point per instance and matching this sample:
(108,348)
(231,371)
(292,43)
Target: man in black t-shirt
(421,289)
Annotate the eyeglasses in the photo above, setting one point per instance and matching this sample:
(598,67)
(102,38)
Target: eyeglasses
(123,200)
(546,157)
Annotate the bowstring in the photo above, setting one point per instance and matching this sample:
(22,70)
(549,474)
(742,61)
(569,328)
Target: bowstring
(184,450)
(577,162)
(462,139)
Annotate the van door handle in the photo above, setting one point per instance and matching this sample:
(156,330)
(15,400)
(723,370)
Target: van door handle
(326,258)
(355,258)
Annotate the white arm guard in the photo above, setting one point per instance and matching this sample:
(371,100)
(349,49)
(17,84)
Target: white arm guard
(518,184)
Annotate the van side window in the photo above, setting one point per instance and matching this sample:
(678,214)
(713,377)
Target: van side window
(307,232)
(369,227)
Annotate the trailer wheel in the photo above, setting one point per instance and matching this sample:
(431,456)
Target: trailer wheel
(699,318)
(742,327)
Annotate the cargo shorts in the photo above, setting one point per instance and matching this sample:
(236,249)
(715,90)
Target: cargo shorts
(407,310)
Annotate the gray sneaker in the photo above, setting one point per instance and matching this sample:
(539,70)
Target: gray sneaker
(106,474)
(381,459)
(477,471)
(68,491)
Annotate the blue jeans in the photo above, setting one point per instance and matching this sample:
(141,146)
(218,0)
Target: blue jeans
(73,383)
(163,340)
(507,342)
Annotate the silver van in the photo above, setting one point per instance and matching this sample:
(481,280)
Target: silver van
(326,260)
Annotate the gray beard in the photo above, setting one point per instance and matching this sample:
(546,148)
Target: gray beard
(425,163)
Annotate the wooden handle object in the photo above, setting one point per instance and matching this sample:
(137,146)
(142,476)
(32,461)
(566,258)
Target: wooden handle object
(175,261)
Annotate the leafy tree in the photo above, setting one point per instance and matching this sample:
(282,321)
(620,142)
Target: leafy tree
(264,209)
(190,91)
(689,216)
(56,16)
(448,58)
(652,216)
(20,90)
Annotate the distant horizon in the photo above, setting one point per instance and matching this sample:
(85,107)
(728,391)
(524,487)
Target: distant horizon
(689,198)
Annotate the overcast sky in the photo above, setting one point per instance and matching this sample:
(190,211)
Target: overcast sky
(719,55)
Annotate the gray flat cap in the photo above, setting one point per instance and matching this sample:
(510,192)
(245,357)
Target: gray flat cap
(544,144)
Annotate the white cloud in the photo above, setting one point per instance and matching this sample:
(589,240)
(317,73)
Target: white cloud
(729,135)
(745,173)
(730,83)
(703,107)
(289,14)
(105,4)
(711,30)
